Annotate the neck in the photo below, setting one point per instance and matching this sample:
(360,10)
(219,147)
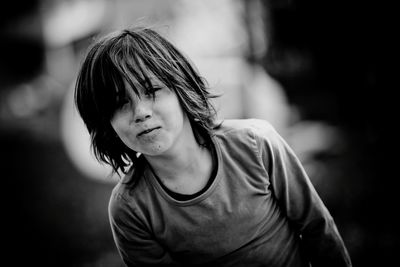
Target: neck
(186,158)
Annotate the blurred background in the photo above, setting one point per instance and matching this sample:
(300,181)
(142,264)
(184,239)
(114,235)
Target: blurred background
(314,69)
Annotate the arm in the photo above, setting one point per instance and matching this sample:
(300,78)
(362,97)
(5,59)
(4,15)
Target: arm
(135,243)
(300,202)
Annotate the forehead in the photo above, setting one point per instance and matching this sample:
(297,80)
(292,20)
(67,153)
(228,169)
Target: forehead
(142,83)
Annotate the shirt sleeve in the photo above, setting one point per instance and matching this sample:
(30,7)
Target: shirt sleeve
(135,243)
(300,202)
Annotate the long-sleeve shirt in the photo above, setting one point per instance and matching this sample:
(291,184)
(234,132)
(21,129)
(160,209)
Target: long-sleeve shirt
(260,210)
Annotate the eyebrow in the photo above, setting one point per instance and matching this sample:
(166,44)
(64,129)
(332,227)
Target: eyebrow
(148,81)
(143,84)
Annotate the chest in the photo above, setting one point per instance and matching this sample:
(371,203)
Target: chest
(234,215)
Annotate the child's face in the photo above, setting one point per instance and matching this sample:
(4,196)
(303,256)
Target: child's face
(150,126)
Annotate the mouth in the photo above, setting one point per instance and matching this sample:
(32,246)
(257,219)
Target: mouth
(148,131)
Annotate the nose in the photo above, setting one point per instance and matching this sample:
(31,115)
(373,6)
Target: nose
(143,110)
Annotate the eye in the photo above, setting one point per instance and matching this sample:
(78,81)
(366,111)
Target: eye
(151,91)
(124,102)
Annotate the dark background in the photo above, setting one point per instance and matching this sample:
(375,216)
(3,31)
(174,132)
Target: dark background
(332,58)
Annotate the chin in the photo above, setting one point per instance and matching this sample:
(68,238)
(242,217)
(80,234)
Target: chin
(155,151)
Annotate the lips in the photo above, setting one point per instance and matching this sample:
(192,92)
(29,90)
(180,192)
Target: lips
(148,131)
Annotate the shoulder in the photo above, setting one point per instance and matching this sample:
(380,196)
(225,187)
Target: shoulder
(256,128)
(118,200)
(123,198)
(259,135)
(239,136)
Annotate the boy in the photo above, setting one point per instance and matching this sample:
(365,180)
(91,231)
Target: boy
(195,192)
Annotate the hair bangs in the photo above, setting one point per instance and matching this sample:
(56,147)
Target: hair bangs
(135,68)
(109,88)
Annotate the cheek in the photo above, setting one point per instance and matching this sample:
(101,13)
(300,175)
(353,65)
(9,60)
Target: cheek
(115,125)
(119,124)
(175,116)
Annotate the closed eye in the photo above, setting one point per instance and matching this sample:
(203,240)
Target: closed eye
(150,92)
(123,102)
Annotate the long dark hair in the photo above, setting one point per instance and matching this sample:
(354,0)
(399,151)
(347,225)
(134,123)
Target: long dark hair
(133,55)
